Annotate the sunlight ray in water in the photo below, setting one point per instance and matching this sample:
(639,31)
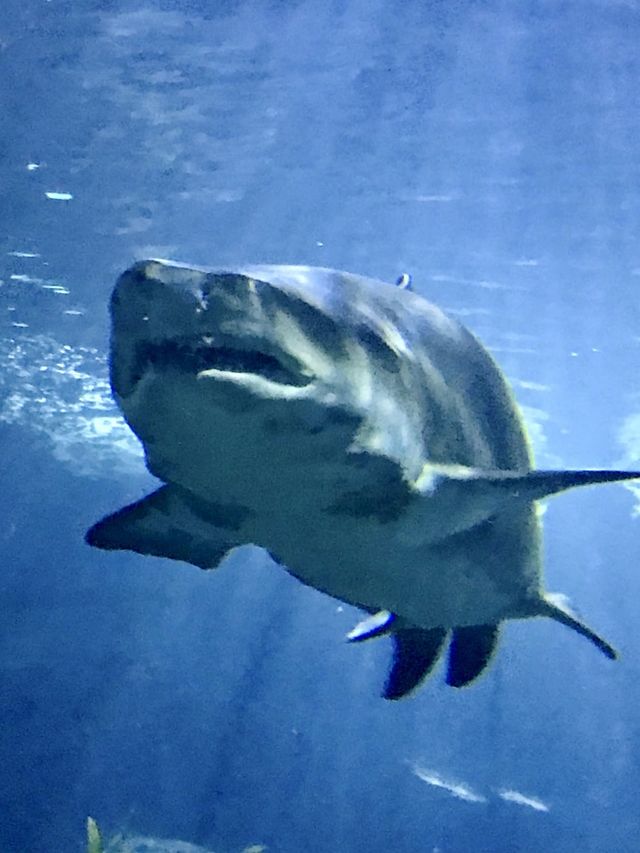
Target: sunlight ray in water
(62,393)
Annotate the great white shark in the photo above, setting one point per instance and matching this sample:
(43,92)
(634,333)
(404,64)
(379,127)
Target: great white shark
(356,432)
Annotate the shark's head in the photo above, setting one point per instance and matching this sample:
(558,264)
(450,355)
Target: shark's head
(298,361)
(265,362)
(170,319)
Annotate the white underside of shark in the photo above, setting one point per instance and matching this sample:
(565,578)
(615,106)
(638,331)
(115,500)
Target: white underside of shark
(352,429)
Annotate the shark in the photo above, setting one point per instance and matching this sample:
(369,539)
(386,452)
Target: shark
(360,435)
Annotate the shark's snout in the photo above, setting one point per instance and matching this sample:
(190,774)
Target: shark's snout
(205,324)
(147,311)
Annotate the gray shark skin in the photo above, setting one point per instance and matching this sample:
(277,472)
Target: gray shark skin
(352,429)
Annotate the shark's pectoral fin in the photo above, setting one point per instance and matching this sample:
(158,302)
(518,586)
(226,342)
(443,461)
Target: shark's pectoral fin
(555,605)
(482,492)
(167,523)
(459,498)
(415,653)
(470,651)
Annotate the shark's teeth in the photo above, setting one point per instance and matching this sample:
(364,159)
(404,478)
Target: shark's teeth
(257,384)
(206,359)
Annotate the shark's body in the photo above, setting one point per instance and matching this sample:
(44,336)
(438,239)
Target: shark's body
(352,429)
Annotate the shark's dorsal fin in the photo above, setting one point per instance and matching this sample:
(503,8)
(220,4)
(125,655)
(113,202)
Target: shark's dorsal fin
(404,281)
(167,523)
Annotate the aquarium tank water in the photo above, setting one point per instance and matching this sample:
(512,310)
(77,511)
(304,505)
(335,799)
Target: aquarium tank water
(486,152)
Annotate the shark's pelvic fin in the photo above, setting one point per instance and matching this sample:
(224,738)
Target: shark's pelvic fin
(377,625)
(166,523)
(415,653)
(555,606)
(470,651)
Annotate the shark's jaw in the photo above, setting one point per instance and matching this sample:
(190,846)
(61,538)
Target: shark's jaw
(201,357)
(163,326)
(225,381)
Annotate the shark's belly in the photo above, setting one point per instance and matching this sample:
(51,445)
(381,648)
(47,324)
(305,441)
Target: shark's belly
(289,483)
(481,576)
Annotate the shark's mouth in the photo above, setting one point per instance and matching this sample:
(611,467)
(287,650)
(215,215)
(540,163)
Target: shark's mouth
(206,359)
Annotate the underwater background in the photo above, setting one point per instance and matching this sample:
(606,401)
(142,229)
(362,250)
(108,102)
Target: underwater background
(491,149)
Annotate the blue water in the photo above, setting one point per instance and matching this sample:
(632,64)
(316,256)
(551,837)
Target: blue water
(489,148)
